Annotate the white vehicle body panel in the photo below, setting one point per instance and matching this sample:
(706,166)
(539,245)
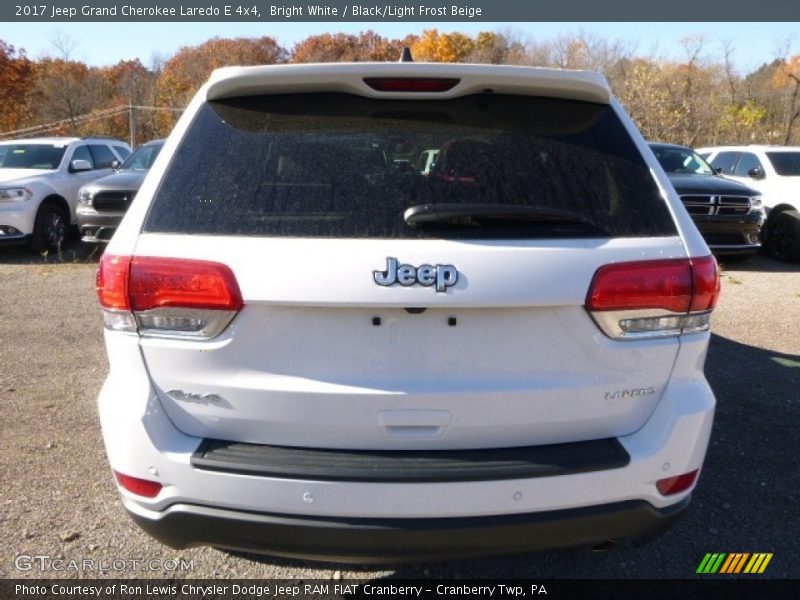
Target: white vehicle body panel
(525,365)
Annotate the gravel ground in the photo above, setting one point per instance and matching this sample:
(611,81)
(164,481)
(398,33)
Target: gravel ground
(57,497)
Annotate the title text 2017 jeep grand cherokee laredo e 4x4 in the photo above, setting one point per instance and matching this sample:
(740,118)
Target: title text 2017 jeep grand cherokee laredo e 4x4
(39,183)
(500,355)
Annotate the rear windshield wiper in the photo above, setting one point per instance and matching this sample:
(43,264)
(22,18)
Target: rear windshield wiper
(480,214)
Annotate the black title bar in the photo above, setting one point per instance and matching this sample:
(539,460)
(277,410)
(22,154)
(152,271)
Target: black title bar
(419,11)
(711,588)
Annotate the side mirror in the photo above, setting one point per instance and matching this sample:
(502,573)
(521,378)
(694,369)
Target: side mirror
(718,170)
(116,164)
(756,173)
(80,164)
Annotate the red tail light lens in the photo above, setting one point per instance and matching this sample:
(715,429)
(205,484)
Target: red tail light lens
(706,283)
(140,487)
(410,84)
(112,282)
(675,485)
(174,282)
(167,297)
(663,284)
(654,298)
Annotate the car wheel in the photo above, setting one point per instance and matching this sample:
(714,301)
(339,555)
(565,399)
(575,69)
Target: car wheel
(783,236)
(50,229)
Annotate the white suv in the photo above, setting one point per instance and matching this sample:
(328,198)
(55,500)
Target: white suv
(775,172)
(315,355)
(39,183)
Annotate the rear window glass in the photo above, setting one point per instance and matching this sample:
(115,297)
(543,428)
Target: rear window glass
(338,165)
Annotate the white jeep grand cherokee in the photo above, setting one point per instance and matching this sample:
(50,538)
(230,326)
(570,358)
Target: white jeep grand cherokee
(318,350)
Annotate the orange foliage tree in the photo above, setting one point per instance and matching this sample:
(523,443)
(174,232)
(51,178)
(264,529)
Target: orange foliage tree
(787,77)
(16,75)
(433,46)
(191,66)
(64,90)
(342,47)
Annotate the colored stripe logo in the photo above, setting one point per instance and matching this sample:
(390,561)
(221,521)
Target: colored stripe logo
(733,563)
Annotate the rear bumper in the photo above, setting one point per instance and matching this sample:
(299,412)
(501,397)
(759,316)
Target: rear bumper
(395,540)
(345,519)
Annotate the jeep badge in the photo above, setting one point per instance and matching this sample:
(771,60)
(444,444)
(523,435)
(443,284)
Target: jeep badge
(443,276)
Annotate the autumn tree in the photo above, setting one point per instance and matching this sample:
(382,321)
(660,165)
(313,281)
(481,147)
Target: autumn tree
(583,50)
(699,99)
(786,79)
(646,94)
(497,48)
(191,65)
(16,74)
(65,90)
(129,83)
(342,47)
(433,46)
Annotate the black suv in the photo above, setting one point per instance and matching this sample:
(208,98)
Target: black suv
(727,213)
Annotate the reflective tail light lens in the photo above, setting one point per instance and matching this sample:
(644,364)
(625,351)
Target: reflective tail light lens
(655,298)
(167,297)
(675,485)
(140,487)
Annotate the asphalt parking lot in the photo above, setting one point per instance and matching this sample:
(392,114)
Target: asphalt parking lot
(57,498)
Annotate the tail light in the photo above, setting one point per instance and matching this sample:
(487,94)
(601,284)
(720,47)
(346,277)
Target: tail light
(167,297)
(655,298)
(675,485)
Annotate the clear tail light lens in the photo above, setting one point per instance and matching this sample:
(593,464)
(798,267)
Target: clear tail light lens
(654,298)
(167,297)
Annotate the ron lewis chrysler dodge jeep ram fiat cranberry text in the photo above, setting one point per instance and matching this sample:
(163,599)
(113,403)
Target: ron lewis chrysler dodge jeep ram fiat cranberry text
(319,348)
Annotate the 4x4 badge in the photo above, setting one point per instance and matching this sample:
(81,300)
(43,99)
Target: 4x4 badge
(442,276)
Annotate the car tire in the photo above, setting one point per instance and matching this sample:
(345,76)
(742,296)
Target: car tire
(783,236)
(50,229)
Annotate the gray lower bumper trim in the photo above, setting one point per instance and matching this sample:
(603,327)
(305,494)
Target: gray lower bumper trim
(396,540)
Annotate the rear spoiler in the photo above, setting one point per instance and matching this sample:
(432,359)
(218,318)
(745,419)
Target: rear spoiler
(349,78)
